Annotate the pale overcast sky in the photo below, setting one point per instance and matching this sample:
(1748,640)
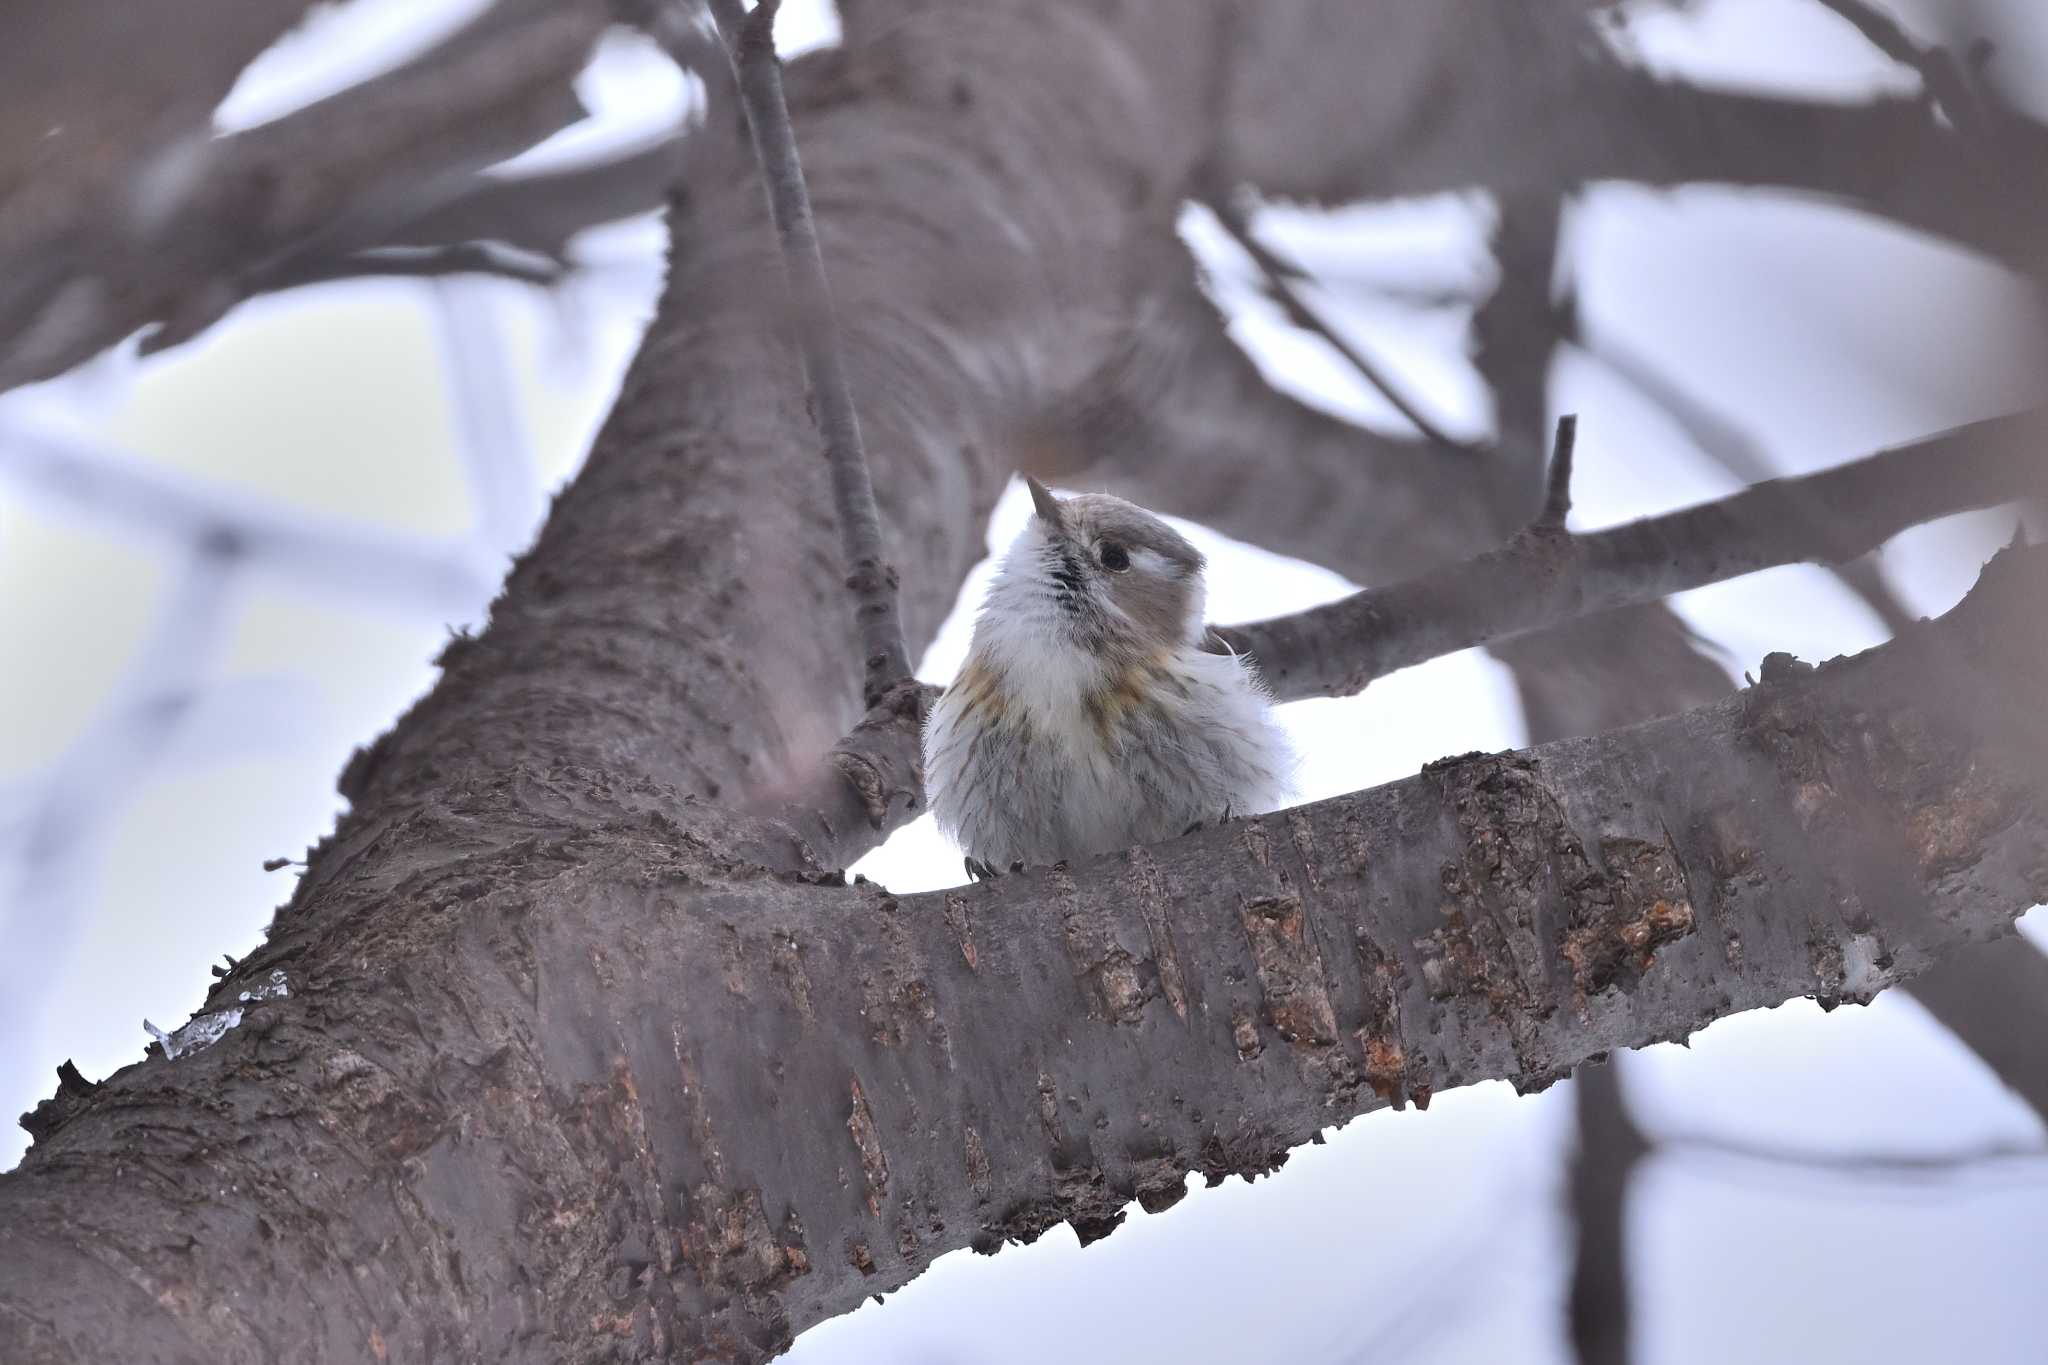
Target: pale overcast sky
(131,838)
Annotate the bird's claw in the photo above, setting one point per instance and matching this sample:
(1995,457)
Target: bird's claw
(978,871)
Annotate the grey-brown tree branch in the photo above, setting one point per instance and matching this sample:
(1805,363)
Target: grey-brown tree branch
(178,226)
(1540,578)
(759,1101)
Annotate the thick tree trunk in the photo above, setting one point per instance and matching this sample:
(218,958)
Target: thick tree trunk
(605,1088)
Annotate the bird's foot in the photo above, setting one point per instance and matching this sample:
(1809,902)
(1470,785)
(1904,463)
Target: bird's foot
(978,871)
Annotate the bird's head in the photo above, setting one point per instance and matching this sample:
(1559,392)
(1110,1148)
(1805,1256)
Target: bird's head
(1103,573)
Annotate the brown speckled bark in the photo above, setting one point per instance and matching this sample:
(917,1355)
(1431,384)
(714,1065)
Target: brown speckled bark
(605,1089)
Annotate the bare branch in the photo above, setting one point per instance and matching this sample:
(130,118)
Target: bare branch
(540,212)
(1541,579)
(1735,450)
(1946,84)
(1283,280)
(750,36)
(743,1088)
(515,227)
(1557,488)
(200,223)
(1610,1146)
(1558,111)
(1535,581)
(1901,1172)
(1994,999)
(419,262)
(1184,423)
(1975,993)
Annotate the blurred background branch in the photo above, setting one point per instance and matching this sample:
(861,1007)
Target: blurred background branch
(134,203)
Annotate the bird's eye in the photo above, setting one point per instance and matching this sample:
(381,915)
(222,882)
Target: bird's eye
(1114,557)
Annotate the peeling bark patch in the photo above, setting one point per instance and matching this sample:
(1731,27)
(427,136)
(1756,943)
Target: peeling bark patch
(908,1247)
(1618,921)
(1535,1082)
(1512,833)
(1148,889)
(735,961)
(789,965)
(977,1165)
(963,930)
(1249,1154)
(897,999)
(1903,799)
(1080,1198)
(1824,952)
(1355,846)
(1301,829)
(1290,971)
(732,1246)
(860,1258)
(1526,890)
(1245,1034)
(1161,1182)
(874,1164)
(693,1100)
(1387,1062)
(1255,843)
(1118,989)
(1947,823)
(1386,1067)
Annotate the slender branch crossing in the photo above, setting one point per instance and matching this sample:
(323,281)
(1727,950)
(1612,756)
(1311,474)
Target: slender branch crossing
(1538,580)
(1283,279)
(750,37)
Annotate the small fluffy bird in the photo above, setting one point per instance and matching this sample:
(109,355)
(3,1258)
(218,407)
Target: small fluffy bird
(1095,710)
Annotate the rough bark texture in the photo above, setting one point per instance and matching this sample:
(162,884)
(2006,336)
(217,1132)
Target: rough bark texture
(604,1088)
(579,1062)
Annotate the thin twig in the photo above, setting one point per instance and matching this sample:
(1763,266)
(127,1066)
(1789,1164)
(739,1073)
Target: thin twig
(1598,1308)
(1282,278)
(1536,581)
(1736,451)
(1939,71)
(1557,490)
(421,262)
(750,38)
(2029,1161)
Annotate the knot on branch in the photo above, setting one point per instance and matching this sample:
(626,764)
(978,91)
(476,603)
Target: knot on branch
(73,1090)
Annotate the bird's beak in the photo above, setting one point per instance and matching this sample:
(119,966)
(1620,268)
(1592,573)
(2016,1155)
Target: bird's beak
(1041,498)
